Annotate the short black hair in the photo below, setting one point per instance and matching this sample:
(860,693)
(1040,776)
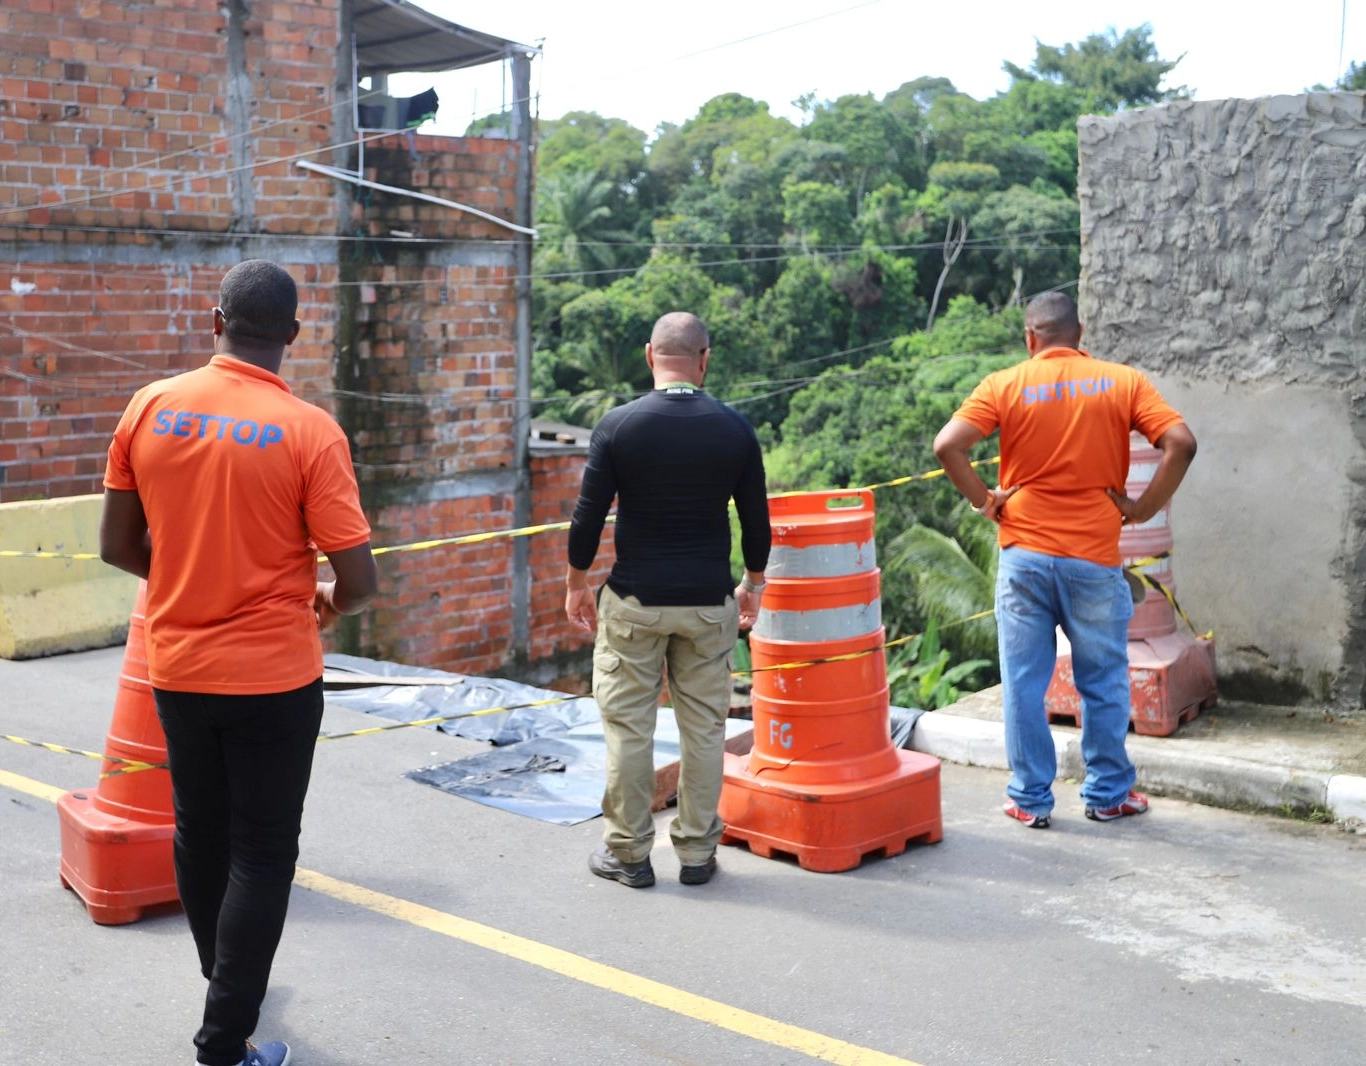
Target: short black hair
(1053,315)
(259,302)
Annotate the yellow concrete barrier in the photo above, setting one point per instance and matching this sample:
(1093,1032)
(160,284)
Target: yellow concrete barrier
(49,606)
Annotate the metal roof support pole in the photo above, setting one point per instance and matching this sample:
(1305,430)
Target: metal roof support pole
(346,175)
(521,419)
(355,101)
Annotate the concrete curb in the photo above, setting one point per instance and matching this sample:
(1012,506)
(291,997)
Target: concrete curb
(1216,780)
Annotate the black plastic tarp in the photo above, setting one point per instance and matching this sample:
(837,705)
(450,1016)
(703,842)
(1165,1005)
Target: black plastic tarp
(459,694)
(553,778)
(548,762)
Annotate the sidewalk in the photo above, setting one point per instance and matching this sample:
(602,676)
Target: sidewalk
(1297,761)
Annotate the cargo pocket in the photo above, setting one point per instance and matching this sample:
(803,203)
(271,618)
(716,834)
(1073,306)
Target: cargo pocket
(622,621)
(725,621)
(606,669)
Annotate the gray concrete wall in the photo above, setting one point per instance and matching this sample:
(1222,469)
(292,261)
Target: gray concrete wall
(1224,251)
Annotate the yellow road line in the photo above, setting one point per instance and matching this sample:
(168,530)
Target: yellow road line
(27,785)
(577,968)
(566,964)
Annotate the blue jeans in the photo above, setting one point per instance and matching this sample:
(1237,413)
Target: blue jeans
(1035,594)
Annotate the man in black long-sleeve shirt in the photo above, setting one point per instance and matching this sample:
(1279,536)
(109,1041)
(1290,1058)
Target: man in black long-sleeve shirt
(673,460)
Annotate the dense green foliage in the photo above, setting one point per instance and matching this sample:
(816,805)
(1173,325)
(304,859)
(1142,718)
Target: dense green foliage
(818,254)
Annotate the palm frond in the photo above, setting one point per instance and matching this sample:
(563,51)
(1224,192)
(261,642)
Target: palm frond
(949,585)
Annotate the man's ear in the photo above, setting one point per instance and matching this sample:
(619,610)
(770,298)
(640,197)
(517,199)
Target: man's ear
(218,322)
(649,355)
(702,368)
(294,333)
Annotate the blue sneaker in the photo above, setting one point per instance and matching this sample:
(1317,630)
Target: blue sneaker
(276,1053)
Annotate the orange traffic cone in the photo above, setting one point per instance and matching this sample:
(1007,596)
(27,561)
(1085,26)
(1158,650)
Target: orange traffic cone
(117,840)
(823,781)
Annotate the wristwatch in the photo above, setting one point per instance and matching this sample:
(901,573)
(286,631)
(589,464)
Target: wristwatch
(750,586)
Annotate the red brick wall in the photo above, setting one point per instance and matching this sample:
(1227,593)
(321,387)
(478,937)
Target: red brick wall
(555,479)
(114,115)
(115,144)
(76,348)
(135,169)
(429,375)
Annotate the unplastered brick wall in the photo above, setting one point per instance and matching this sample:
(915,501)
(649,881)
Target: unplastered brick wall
(477,172)
(76,341)
(170,115)
(144,149)
(446,606)
(555,481)
(135,162)
(428,376)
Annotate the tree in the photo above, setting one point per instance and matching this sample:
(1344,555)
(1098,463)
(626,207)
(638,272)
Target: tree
(1355,78)
(892,406)
(584,140)
(881,144)
(729,130)
(882,290)
(601,360)
(1113,70)
(801,322)
(817,214)
(1033,231)
(575,222)
(919,94)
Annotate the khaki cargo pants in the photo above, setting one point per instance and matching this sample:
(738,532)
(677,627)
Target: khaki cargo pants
(634,644)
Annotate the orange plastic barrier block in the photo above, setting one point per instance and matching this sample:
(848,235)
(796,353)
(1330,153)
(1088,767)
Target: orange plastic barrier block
(118,838)
(833,827)
(118,867)
(1171,680)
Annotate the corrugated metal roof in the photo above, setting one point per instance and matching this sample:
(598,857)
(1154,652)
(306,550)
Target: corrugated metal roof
(395,36)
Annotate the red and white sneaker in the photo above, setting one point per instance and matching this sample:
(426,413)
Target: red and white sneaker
(1133,803)
(1030,821)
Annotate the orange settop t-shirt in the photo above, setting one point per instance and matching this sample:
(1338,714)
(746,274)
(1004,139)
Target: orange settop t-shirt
(1065,420)
(242,482)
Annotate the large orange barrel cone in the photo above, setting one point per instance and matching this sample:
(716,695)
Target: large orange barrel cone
(823,782)
(117,837)
(1152,539)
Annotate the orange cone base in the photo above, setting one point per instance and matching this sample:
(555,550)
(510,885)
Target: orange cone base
(1171,680)
(117,866)
(829,828)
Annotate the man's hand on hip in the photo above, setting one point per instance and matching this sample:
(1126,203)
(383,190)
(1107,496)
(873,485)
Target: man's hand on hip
(995,502)
(1128,508)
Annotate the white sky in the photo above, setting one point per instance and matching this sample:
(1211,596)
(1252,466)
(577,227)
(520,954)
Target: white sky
(637,60)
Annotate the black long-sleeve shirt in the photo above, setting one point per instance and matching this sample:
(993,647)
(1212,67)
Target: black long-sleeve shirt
(673,459)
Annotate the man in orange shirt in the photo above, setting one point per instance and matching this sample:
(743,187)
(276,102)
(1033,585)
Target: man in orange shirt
(1065,420)
(220,489)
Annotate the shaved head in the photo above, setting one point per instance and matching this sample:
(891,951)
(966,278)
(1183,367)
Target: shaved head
(1053,319)
(679,334)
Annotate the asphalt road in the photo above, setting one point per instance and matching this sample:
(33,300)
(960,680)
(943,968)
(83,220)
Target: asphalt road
(426,929)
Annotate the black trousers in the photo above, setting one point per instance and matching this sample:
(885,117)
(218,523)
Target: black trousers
(240,767)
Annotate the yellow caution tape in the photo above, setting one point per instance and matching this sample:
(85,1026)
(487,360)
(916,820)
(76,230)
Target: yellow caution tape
(1167,593)
(496,534)
(128,765)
